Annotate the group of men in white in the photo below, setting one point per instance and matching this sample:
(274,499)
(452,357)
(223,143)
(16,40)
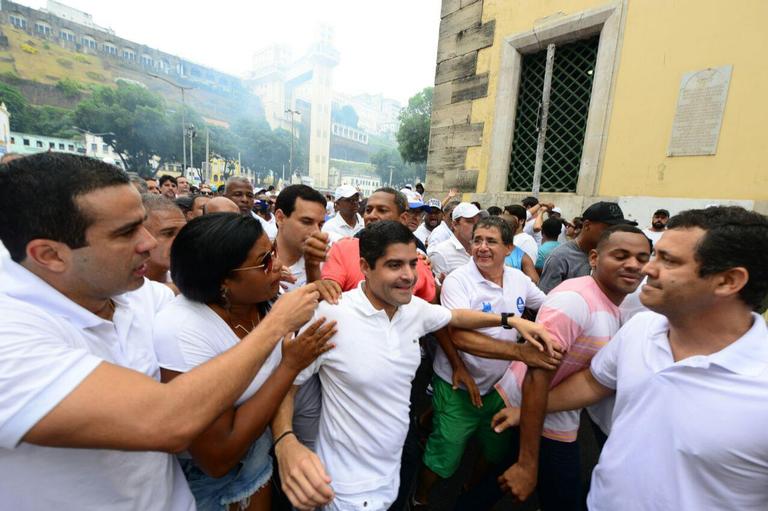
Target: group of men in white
(300,343)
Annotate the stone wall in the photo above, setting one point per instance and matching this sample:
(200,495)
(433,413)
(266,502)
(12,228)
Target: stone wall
(462,35)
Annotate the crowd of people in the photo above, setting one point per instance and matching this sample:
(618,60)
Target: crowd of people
(171,347)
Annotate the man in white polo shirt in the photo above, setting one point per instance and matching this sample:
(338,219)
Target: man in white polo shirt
(448,255)
(85,423)
(347,222)
(485,284)
(366,380)
(691,377)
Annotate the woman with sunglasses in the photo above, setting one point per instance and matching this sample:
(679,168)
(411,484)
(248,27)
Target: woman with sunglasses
(226,270)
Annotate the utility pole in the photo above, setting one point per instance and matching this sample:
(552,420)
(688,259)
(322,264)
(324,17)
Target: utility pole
(290,159)
(183,117)
(207,166)
(391,168)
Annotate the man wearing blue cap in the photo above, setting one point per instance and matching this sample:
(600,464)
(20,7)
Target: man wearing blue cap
(432,219)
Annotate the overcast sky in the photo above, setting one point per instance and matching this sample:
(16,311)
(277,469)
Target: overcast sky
(386,47)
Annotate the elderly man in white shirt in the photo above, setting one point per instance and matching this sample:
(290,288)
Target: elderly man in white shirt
(84,422)
(347,222)
(690,378)
(454,252)
(366,380)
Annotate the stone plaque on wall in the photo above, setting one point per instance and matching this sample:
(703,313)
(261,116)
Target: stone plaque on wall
(699,114)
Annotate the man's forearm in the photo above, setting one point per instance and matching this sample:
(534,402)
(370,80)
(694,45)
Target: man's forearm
(446,343)
(472,320)
(283,419)
(578,391)
(533,410)
(313,273)
(481,345)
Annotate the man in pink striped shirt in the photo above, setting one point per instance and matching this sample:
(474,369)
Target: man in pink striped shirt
(582,315)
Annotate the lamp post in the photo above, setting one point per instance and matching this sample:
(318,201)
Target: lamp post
(183,117)
(290,159)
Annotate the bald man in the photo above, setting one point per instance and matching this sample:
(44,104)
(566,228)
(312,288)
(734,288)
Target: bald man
(220,205)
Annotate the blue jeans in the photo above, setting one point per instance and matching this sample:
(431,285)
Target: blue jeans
(245,479)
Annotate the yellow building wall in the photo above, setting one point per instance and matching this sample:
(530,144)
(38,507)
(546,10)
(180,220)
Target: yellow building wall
(662,41)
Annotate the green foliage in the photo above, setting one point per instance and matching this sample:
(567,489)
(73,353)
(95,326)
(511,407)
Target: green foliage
(413,133)
(134,120)
(52,121)
(65,63)
(18,107)
(386,160)
(70,88)
(93,75)
(345,115)
(46,46)
(81,59)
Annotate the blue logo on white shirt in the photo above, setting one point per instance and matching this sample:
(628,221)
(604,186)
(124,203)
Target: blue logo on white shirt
(487,307)
(520,304)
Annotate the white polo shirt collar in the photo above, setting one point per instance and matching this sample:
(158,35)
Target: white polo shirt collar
(20,283)
(748,356)
(478,278)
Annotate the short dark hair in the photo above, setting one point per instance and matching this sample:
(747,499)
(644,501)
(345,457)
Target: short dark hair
(151,178)
(39,196)
(401,201)
(184,202)
(286,200)
(494,211)
(529,202)
(661,212)
(610,230)
(496,222)
(733,238)
(376,237)
(518,211)
(166,177)
(552,227)
(207,249)
(476,204)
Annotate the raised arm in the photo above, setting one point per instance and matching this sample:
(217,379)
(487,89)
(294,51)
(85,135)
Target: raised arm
(118,408)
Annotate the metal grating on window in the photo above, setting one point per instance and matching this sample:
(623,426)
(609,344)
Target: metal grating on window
(572,78)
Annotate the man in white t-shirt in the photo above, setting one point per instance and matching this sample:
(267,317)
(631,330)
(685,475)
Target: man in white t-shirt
(302,247)
(658,224)
(443,231)
(485,284)
(432,219)
(690,378)
(366,381)
(85,423)
(347,222)
(448,255)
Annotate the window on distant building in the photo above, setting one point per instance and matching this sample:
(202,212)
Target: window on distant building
(71,147)
(110,49)
(89,42)
(38,143)
(61,147)
(51,145)
(43,29)
(67,35)
(18,21)
(94,148)
(26,141)
(104,148)
(146,61)
(13,140)
(129,55)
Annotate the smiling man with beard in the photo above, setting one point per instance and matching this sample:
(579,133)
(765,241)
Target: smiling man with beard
(366,380)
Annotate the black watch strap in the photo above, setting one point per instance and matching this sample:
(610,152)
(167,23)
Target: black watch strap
(505,319)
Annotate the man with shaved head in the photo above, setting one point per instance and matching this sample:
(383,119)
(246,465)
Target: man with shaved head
(164,220)
(220,205)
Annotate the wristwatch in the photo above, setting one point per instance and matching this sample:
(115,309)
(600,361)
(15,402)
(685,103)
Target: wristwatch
(505,320)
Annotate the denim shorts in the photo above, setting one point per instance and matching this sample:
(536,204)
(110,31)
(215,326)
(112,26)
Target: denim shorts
(246,478)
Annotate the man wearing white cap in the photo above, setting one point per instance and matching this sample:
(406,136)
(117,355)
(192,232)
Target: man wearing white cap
(432,219)
(448,255)
(347,221)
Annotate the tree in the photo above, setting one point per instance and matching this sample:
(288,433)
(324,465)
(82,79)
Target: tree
(134,121)
(413,133)
(18,107)
(386,160)
(345,115)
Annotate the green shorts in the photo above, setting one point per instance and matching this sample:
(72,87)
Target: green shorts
(456,419)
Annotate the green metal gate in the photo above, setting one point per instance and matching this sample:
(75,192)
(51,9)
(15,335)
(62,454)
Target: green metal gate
(572,77)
